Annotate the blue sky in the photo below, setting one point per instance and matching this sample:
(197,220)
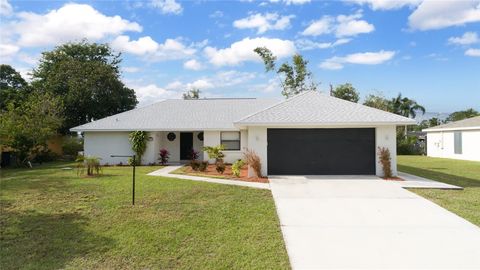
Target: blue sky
(427,50)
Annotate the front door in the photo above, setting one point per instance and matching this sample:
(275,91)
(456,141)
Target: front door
(186,145)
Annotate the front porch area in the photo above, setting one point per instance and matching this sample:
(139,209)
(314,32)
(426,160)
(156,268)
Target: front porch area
(178,143)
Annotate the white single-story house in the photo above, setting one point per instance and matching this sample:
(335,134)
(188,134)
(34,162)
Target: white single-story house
(458,140)
(308,134)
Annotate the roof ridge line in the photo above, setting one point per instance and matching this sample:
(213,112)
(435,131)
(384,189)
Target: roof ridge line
(134,109)
(274,105)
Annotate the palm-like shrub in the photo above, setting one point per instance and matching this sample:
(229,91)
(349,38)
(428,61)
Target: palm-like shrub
(215,152)
(138,139)
(89,163)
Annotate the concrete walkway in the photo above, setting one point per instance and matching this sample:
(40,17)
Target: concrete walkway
(368,223)
(413,181)
(166,172)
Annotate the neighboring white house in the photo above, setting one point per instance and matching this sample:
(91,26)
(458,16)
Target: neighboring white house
(458,140)
(308,134)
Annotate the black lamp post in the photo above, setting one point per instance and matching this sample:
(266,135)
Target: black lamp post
(133,175)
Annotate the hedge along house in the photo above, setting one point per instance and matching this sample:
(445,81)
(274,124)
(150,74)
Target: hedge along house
(308,134)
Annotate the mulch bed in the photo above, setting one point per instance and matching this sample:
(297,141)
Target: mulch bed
(393,179)
(227,174)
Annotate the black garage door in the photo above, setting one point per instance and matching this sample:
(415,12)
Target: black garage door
(321,151)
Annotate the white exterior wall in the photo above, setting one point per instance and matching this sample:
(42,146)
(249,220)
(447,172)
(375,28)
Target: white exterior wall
(104,144)
(257,141)
(212,138)
(441,144)
(385,136)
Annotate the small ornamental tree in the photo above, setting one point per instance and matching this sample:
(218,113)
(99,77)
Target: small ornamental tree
(385,159)
(294,77)
(138,139)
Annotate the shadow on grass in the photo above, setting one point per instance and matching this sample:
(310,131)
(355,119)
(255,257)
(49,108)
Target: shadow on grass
(32,240)
(440,176)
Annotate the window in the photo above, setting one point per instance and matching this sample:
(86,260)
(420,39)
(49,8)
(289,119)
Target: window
(457,146)
(231,140)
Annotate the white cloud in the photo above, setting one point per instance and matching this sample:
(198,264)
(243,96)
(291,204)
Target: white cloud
(193,64)
(242,51)
(342,26)
(387,4)
(306,44)
(296,2)
(216,14)
(440,14)
(351,26)
(68,23)
(151,93)
(366,58)
(141,46)
(269,87)
(5,8)
(171,49)
(319,27)
(8,50)
(131,69)
(473,52)
(218,80)
(167,6)
(264,22)
(467,39)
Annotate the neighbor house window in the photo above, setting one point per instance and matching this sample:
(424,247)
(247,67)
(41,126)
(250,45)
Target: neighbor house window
(457,146)
(230,139)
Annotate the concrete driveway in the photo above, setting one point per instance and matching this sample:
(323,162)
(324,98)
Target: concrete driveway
(368,223)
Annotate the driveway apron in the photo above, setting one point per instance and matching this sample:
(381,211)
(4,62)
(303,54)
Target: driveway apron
(366,223)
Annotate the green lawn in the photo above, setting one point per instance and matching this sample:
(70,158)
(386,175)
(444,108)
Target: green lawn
(52,219)
(465,203)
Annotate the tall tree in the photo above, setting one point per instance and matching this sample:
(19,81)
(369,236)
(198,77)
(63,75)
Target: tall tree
(405,106)
(193,93)
(347,92)
(13,88)
(377,101)
(460,115)
(31,124)
(295,76)
(86,76)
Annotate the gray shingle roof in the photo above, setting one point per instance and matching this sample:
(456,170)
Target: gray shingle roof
(470,123)
(177,114)
(314,108)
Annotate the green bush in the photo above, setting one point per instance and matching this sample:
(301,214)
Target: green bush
(195,165)
(237,166)
(215,152)
(44,155)
(203,166)
(220,167)
(409,146)
(71,146)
